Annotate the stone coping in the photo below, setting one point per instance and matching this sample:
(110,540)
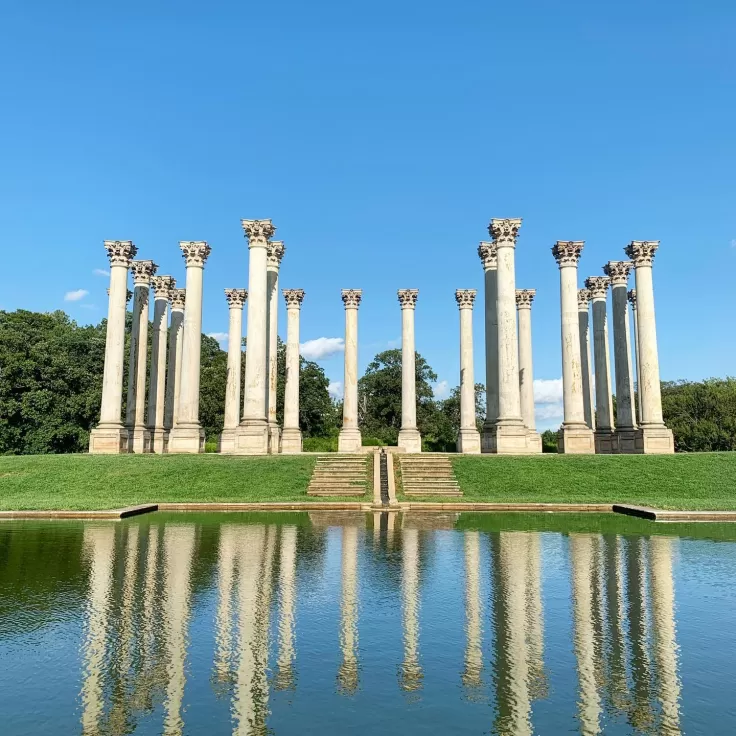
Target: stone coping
(124,513)
(645,512)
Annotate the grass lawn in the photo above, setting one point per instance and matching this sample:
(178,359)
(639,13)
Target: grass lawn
(113,481)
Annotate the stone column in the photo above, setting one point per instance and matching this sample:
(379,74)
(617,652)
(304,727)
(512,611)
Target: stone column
(409,438)
(173,374)
(163,286)
(187,436)
(654,437)
(632,301)
(110,437)
(291,436)
(524,299)
(349,439)
(252,434)
(468,439)
(236,300)
(605,438)
(618,272)
(585,365)
(275,253)
(488,257)
(139,438)
(575,436)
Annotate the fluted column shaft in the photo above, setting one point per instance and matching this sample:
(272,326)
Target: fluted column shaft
(488,256)
(585,367)
(349,439)
(236,300)
(173,374)
(162,286)
(291,435)
(275,253)
(524,298)
(468,437)
(409,438)
(632,300)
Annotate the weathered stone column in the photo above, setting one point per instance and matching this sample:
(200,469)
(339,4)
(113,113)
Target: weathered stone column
(236,300)
(187,436)
(575,436)
(275,253)
(524,299)
(585,366)
(468,439)
(605,438)
(618,272)
(110,437)
(252,434)
(632,301)
(654,437)
(409,437)
(173,375)
(139,438)
(291,435)
(349,439)
(488,257)
(509,435)
(163,286)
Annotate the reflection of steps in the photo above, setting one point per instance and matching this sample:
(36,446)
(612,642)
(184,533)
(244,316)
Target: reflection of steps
(428,475)
(339,475)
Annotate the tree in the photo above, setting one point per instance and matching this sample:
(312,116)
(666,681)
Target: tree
(212,384)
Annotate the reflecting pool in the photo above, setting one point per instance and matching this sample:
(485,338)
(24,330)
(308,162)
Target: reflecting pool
(367,623)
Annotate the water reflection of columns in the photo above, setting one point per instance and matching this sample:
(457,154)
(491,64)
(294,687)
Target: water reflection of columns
(473,612)
(287,600)
(615,616)
(128,600)
(347,677)
(410,676)
(99,547)
(229,537)
(535,618)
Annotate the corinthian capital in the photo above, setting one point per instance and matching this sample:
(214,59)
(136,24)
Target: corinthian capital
(293,297)
(408,298)
(464,298)
(632,298)
(195,252)
(504,231)
(524,298)
(597,286)
(488,254)
(584,297)
(143,272)
(236,298)
(567,252)
(351,298)
(618,271)
(163,286)
(120,252)
(275,250)
(258,232)
(642,252)
(178,299)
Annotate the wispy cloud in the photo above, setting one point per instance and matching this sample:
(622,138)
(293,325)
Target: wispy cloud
(548,410)
(75,296)
(335,390)
(322,347)
(100,272)
(733,243)
(221,337)
(441,390)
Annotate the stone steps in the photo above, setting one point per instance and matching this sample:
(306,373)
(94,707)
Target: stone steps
(339,475)
(428,475)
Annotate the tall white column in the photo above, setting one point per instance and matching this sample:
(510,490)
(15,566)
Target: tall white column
(173,374)
(163,286)
(291,435)
(409,438)
(252,434)
(524,299)
(488,257)
(187,436)
(654,437)
(236,300)
(618,272)
(468,439)
(139,438)
(110,437)
(275,253)
(575,436)
(585,365)
(349,439)
(605,438)
(632,301)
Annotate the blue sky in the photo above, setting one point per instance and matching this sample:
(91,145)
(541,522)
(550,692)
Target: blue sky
(381,138)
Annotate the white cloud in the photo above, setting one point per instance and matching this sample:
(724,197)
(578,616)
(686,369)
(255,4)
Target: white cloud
(441,390)
(75,296)
(322,347)
(335,390)
(548,409)
(733,243)
(221,337)
(100,272)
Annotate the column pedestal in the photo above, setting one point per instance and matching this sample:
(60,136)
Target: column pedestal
(605,442)
(410,440)
(575,441)
(112,440)
(468,441)
(349,440)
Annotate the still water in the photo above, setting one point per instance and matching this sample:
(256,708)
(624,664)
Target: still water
(362,623)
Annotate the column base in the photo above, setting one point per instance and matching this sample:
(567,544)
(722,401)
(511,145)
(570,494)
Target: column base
(108,440)
(626,441)
(139,440)
(486,438)
(251,438)
(291,441)
(533,442)
(159,441)
(605,442)
(655,441)
(188,439)
(226,441)
(508,439)
(410,440)
(468,442)
(349,440)
(575,439)
(274,438)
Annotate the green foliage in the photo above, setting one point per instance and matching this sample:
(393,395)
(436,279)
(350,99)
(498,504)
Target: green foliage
(212,383)
(319,444)
(549,440)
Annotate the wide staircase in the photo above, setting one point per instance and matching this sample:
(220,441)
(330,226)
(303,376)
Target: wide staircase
(428,475)
(340,475)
